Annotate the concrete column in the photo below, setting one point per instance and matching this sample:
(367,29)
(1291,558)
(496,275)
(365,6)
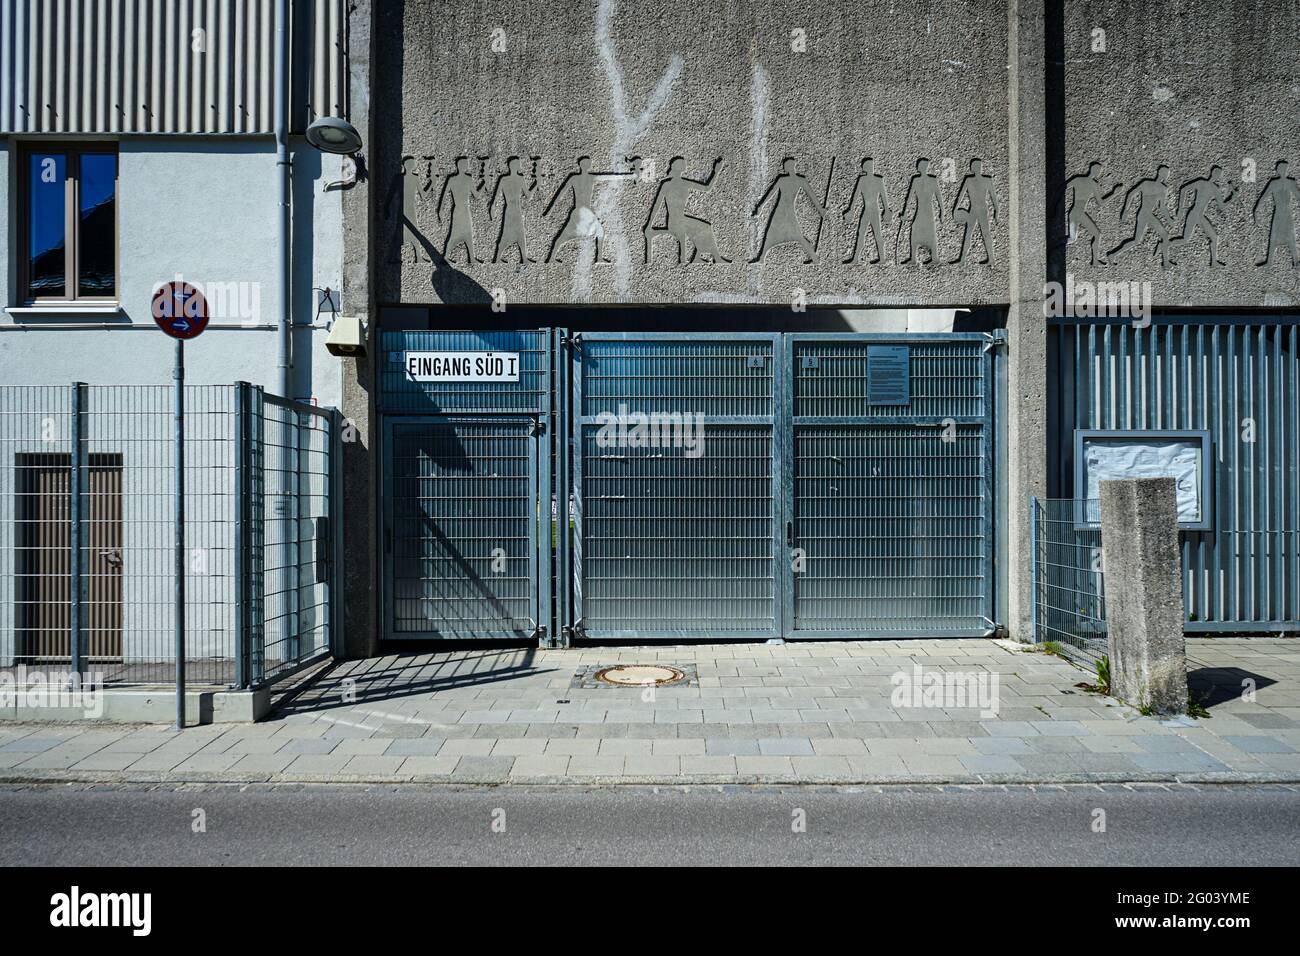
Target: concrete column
(1026,413)
(1144,594)
(360,572)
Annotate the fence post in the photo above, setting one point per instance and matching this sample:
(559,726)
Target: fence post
(241,537)
(256,538)
(77,499)
(1033,567)
(334,472)
(1144,594)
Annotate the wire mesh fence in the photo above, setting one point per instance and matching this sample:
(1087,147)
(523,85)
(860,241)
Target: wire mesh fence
(1069,586)
(87,529)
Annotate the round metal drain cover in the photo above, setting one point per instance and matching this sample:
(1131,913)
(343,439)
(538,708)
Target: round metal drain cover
(640,675)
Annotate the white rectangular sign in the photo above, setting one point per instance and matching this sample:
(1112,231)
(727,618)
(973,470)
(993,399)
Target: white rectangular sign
(462,366)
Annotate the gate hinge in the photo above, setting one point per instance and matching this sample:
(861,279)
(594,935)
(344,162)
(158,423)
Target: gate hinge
(538,426)
(994,340)
(573,341)
(539,633)
(574,630)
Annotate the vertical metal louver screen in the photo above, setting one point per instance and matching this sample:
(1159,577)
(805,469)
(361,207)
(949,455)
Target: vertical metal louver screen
(165,66)
(1240,380)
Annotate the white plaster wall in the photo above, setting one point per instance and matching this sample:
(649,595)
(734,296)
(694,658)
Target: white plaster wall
(204,211)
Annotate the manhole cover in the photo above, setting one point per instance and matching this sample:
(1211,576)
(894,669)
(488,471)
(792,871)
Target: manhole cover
(639,675)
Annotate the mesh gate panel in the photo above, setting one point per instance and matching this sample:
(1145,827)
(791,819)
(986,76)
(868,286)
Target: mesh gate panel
(677,532)
(681,543)
(891,523)
(463,510)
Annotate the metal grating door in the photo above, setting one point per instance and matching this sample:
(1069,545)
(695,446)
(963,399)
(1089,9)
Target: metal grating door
(461,545)
(676,486)
(890,505)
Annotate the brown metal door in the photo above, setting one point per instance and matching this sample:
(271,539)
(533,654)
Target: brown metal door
(43,561)
(103,559)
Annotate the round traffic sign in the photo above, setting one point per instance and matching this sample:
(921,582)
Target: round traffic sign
(180,310)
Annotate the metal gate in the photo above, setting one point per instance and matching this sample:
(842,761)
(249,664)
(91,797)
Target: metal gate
(676,497)
(467,491)
(889,493)
(760,486)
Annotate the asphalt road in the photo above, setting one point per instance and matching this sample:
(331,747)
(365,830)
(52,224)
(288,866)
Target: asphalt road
(85,825)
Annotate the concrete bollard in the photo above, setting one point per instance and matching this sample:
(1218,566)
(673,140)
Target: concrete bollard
(1144,594)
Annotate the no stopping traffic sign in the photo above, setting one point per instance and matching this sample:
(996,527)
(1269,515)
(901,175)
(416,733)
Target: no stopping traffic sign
(180,310)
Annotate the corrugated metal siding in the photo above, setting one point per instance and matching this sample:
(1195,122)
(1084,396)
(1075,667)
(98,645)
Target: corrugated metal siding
(131,66)
(1239,379)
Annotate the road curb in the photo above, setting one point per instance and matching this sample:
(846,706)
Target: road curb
(596,780)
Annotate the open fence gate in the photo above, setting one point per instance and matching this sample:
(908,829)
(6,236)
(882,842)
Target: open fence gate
(707,485)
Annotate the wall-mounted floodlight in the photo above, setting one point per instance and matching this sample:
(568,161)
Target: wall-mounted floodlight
(330,134)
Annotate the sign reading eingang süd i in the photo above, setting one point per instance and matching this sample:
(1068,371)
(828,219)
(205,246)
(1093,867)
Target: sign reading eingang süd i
(462,366)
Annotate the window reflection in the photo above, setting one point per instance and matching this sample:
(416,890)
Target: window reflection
(97,232)
(47,207)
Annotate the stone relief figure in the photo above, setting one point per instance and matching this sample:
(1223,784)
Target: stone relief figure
(461,186)
(582,222)
(513,187)
(923,194)
(1200,196)
(406,190)
(783,227)
(977,188)
(870,188)
(1283,191)
(674,193)
(1152,194)
(1080,191)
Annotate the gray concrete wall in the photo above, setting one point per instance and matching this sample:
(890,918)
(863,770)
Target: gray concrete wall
(1188,85)
(753,83)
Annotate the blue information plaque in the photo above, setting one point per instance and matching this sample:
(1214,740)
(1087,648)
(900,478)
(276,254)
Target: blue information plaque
(889,375)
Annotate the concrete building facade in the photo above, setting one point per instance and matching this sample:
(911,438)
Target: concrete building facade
(908,265)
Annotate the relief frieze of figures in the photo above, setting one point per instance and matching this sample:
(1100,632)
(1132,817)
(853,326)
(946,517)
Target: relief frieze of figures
(681,214)
(1182,223)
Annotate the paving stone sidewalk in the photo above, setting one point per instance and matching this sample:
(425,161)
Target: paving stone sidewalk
(806,712)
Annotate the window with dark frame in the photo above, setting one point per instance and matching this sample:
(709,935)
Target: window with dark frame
(69,204)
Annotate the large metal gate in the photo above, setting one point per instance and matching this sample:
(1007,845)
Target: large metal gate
(708,486)
(761,485)
(676,486)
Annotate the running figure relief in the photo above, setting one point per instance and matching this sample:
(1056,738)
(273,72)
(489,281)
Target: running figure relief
(673,196)
(870,188)
(1282,191)
(1152,194)
(783,227)
(582,222)
(923,195)
(1202,196)
(1080,192)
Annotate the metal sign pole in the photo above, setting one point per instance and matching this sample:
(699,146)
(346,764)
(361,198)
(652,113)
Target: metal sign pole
(179,375)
